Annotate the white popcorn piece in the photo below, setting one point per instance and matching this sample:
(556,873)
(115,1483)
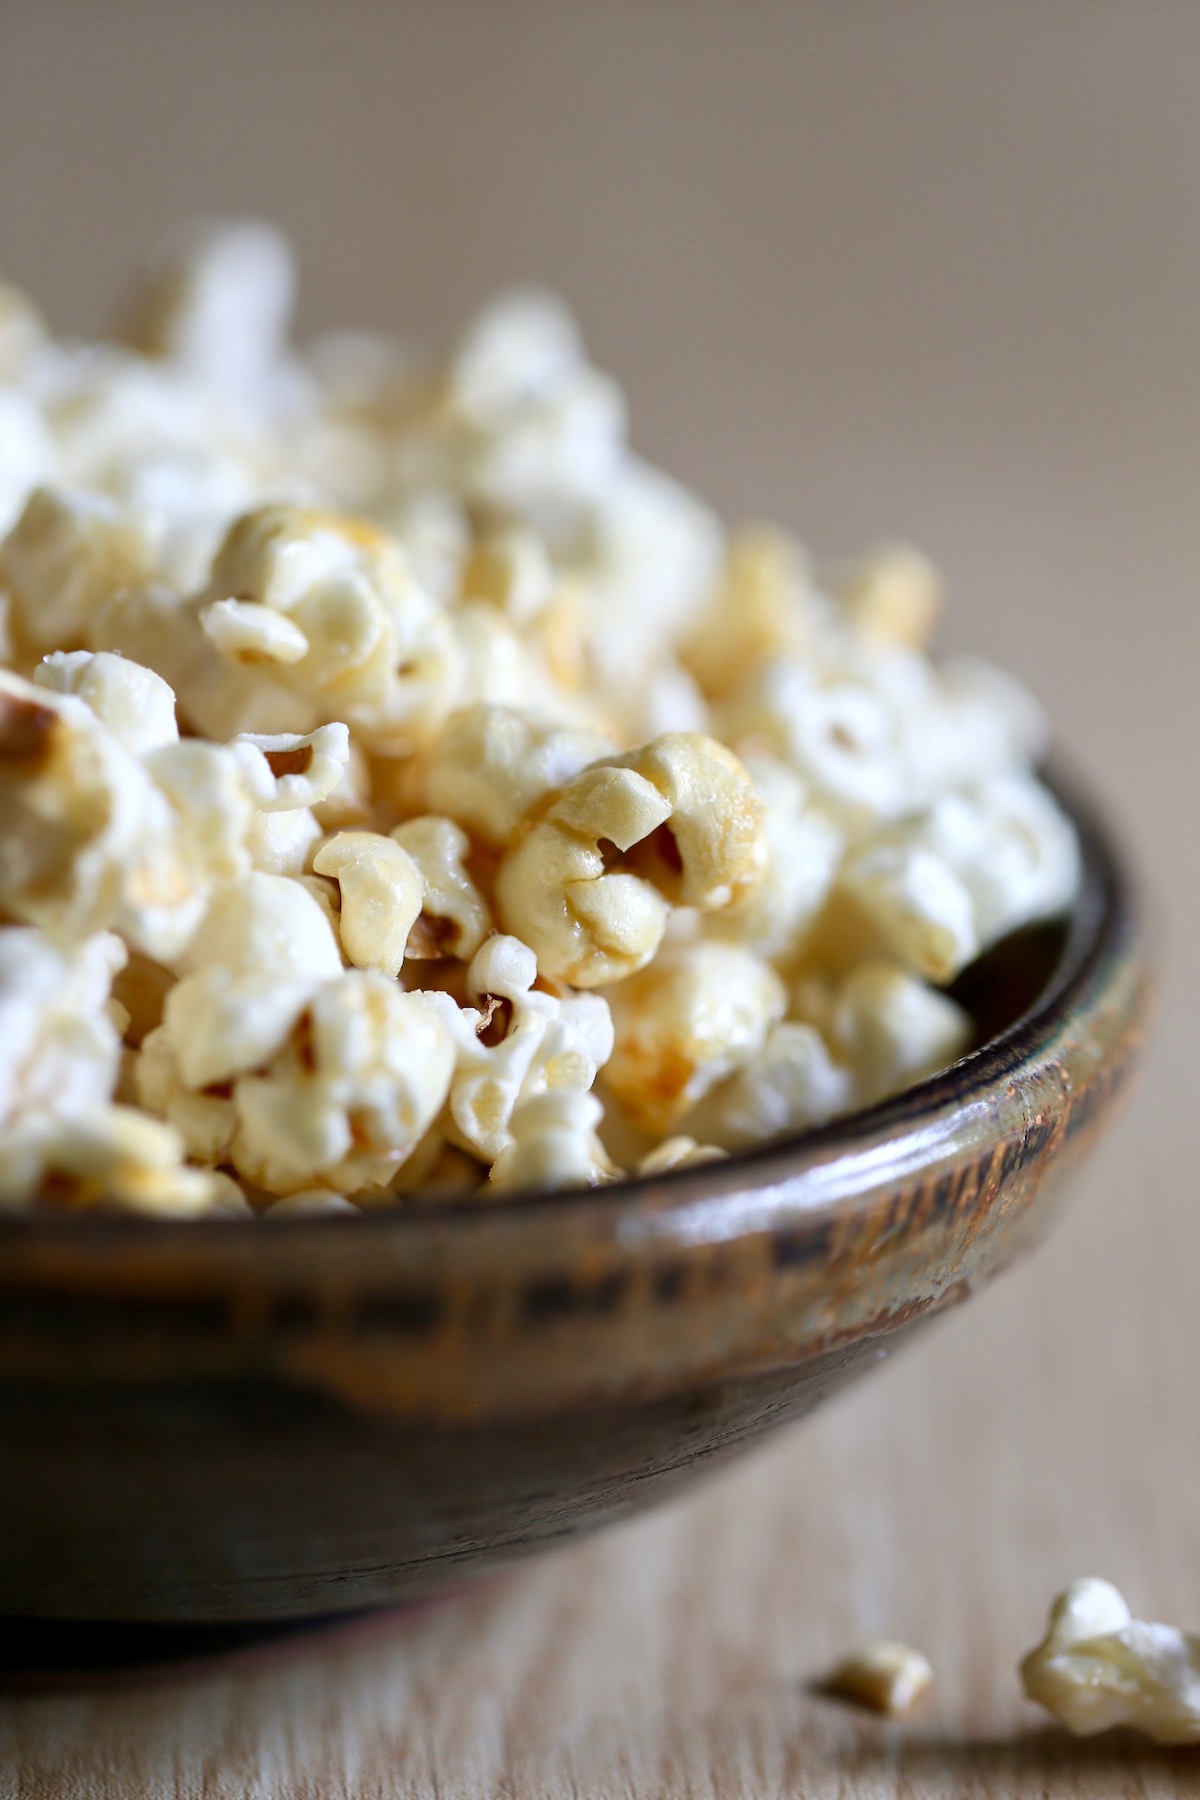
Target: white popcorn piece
(789,1085)
(350,1095)
(1098,1667)
(134,703)
(99,839)
(379,655)
(382,892)
(947,883)
(311,1203)
(69,550)
(217,297)
(512,569)
(884,1676)
(685,1023)
(518,1042)
(490,765)
(554,1145)
(803,851)
(245,632)
(892,1030)
(28,457)
(293,769)
(264,947)
(59,1049)
(112,1156)
(454,917)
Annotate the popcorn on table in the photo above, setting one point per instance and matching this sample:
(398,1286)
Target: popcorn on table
(407,790)
(1098,1667)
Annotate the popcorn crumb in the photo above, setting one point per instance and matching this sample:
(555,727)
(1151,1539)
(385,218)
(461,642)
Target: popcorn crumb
(886,1677)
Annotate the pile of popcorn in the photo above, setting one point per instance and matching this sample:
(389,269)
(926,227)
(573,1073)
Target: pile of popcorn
(407,790)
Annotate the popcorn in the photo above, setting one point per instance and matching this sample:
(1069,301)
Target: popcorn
(518,1043)
(135,704)
(97,838)
(895,594)
(589,882)
(696,1014)
(217,297)
(381,896)
(791,1083)
(893,1030)
(454,918)
(389,755)
(347,1099)
(554,1145)
(946,884)
(490,765)
(108,1156)
(28,458)
(883,1676)
(68,551)
(678,1153)
(1098,1667)
(357,641)
(59,1049)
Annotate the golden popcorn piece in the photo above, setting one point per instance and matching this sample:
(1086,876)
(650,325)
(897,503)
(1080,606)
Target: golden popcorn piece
(382,892)
(884,1676)
(895,594)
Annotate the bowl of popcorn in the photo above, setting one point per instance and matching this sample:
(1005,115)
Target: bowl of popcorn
(507,988)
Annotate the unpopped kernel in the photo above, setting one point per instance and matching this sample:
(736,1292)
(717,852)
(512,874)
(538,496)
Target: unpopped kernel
(406,790)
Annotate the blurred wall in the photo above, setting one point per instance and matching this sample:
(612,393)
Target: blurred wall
(919,266)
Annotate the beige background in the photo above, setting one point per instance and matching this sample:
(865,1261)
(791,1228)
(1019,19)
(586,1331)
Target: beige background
(872,267)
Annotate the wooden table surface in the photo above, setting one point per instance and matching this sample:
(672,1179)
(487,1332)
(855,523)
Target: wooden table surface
(996,288)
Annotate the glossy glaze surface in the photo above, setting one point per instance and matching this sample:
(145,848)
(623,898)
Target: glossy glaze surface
(222,1421)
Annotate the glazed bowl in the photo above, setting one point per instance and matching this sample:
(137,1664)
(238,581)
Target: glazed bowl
(232,1421)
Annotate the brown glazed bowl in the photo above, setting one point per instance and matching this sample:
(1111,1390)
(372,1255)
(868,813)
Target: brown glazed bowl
(227,1421)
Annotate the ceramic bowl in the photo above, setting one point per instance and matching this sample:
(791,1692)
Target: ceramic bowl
(229,1421)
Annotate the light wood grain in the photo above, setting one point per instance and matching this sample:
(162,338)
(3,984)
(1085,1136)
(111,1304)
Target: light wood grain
(952,254)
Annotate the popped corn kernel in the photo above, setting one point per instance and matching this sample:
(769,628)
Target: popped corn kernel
(134,703)
(685,1023)
(59,1048)
(217,297)
(350,1094)
(382,892)
(894,594)
(1098,1667)
(490,765)
(454,917)
(70,550)
(892,1030)
(110,1156)
(515,1042)
(884,1676)
(22,331)
(554,1145)
(791,1083)
(764,607)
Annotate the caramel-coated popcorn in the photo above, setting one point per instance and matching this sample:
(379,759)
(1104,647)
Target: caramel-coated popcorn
(406,790)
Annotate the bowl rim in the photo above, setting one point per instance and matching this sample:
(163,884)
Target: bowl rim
(1103,924)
